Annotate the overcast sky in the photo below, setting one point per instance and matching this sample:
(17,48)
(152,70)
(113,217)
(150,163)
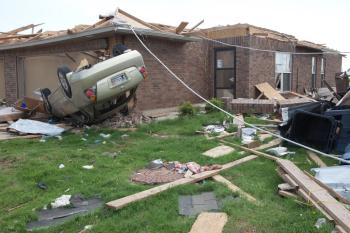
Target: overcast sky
(320,21)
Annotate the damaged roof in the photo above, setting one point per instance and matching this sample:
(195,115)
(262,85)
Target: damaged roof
(106,25)
(244,29)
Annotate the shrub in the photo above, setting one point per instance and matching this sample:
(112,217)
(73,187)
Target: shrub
(187,109)
(217,102)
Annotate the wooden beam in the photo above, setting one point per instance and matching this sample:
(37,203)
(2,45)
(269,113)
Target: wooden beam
(120,203)
(209,223)
(17,36)
(17,30)
(287,194)
(233,187)
(329,204)
(314,157)
(139,20)
(262,154)
(181,27)
(197,25)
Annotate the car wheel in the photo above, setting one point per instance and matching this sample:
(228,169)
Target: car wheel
(62,78)
(44,95)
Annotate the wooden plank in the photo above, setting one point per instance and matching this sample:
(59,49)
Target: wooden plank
(302,96)
(287,194)
(233,187)
(320,195)
(287,178)
(10,114)
(339,229)
(329,189)
(272,143)
(139,20)
(314,157)
(308,198)
(181,27)
(209,223)
(197,25)
(262,154)
(119,203)
(29,26)
(219,151)
(269,92)
(17,36)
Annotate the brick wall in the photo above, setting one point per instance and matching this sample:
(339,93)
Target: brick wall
(187,60)
(10,71)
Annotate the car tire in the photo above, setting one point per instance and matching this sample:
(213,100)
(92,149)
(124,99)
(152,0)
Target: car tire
(45,96)
(62,78)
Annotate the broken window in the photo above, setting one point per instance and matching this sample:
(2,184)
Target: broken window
(322,71)
(283,71)
(313,72)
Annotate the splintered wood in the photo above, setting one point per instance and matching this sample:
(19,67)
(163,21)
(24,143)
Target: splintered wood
(314,193)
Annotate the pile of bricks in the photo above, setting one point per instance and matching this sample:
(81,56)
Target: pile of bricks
(251,106)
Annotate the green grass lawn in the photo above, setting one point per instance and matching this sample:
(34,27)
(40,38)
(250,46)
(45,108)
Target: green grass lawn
(23,163)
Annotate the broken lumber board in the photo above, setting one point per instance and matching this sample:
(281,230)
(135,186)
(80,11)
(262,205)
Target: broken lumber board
(329,189)
(197,25)
(120,203)
(262,154)
(314,157)
(287,194)
(209,223)
(233,187)
(10,114)
(320,195)
(181,27)
(7,136)
(269,92)
(272,143)
(339,229)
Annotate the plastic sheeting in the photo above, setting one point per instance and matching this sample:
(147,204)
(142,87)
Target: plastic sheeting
(337,177)
(36,127)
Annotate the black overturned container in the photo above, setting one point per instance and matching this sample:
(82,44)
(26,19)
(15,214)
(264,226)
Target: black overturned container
(314,130)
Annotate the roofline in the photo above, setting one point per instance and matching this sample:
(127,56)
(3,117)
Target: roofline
(96,31)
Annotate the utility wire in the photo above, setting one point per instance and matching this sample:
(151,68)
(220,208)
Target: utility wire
(229,114)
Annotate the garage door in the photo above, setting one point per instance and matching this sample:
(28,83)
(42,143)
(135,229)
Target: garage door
(41,71)
(2,79)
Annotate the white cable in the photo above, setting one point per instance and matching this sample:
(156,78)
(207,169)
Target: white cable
(229,114)
(268,50)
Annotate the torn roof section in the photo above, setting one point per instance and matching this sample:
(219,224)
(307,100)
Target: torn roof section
(107,25)
(221,32)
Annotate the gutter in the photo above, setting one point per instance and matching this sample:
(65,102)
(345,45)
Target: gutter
(99,31)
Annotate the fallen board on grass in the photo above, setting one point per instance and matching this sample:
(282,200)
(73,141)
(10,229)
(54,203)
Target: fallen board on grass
(314,157)
(233,187)
(209,223)
(119,203)
(320,195)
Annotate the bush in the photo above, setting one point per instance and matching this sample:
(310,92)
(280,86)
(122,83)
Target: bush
(187,109)
(217,102)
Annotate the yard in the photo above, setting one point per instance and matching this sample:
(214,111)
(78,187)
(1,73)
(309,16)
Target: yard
(24,163)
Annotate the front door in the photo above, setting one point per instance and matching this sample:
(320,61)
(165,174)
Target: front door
(225,72)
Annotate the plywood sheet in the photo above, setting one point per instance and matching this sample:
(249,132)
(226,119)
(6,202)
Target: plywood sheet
(219,151)
(209,223)
(269,92)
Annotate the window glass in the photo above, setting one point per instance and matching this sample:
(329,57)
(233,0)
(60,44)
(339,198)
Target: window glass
(313,65)
(283,63)
(322,65)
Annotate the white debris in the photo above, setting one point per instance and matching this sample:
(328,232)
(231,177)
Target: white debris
(36,127)
(61,201)
(248,135)
(280,151)
(105,135)
(214,128)
(88,167)
(61,166)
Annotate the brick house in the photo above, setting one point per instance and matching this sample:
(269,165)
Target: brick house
(235,71)
(29,63)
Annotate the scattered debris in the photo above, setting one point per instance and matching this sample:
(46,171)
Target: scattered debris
(61,166)
(195,204)
(88,167)
(36,127)
(280,151)
(119,120)
(61,201)
(105,136)
(214,129)
(78,206)
(42,185)
(320,222)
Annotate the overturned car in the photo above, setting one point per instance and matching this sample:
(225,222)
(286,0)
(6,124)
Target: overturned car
(96,92)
